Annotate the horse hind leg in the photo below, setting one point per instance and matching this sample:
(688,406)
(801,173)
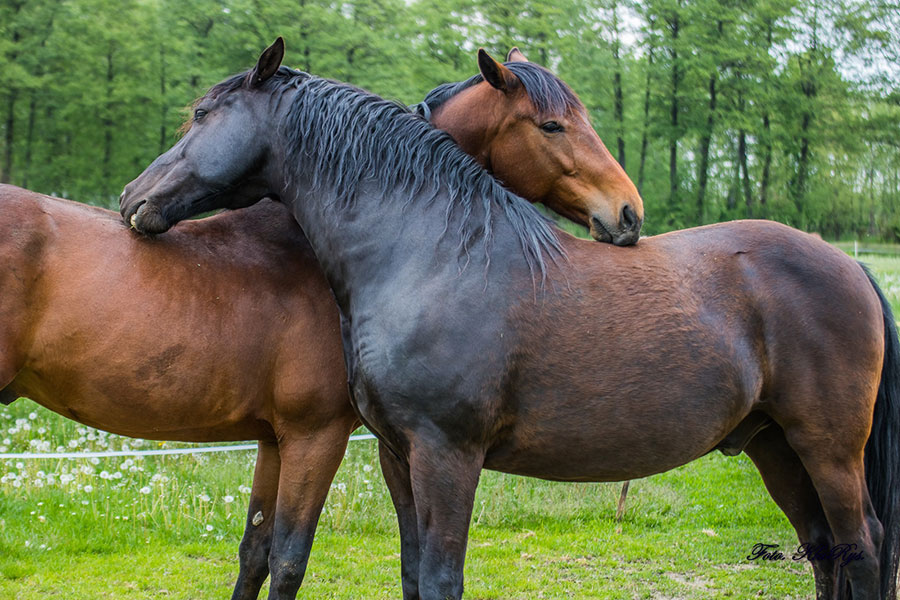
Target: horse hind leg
(257,540)
(789,485)
(837,472)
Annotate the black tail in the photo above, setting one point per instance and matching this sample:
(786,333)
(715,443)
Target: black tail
(883,451)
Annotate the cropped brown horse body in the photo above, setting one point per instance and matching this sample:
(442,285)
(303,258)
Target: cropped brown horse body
(139,337)
(476,336)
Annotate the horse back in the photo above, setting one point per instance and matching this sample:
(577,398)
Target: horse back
(232,311)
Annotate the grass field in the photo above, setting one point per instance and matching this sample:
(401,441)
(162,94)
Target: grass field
(169,527)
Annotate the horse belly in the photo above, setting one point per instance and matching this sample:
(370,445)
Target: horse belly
(630,420)
(586,449)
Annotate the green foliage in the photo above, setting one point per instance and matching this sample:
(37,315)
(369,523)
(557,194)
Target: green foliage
(719,109)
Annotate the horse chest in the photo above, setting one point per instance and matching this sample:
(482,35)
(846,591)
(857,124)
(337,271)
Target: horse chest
(406,379)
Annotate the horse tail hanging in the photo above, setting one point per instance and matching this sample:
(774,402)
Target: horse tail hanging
(882,458)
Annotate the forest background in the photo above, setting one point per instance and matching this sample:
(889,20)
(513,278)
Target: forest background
(718,109)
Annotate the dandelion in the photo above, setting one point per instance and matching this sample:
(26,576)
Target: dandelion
(228,499)
(244,489)
(145,490)
(209,527)
(203,497)
(88,488)
(368,468)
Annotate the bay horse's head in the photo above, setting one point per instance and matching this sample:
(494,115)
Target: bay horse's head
(219,162)
(529,129)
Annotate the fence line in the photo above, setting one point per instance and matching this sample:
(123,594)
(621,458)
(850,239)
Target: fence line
(170,451)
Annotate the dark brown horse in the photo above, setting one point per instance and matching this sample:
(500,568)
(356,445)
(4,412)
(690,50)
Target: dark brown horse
(248,349)
(477,336)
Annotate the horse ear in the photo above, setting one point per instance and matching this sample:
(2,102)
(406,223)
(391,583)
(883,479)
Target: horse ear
(268,63)
(515,55)
(495,73)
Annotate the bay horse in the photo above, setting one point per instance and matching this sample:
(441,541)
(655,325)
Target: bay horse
(537,137)
(478,336)
(226,329)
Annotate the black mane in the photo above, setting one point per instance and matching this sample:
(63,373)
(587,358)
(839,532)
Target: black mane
(547,92)
(344,136)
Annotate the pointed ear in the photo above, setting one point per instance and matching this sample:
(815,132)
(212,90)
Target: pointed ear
(515,55)
(495,73)
(268,63)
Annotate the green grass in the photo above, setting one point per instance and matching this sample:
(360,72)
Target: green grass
(169,527)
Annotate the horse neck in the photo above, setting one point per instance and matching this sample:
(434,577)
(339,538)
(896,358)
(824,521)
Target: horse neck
(365,243)
(400,244)
(466,117)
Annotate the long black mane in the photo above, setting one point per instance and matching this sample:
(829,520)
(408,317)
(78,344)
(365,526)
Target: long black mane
(547,92)
(344,136)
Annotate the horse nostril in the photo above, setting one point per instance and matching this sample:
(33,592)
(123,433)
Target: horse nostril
(629,218)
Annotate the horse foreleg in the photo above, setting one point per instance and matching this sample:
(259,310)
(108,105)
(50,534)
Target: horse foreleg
(396,475)
(791,488)
(257,540)
(443,483)
(309,461)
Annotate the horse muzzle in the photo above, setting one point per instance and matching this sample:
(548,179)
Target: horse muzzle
(146,218)
(624,233)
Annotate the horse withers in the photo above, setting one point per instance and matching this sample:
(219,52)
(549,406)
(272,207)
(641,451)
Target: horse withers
(478,336)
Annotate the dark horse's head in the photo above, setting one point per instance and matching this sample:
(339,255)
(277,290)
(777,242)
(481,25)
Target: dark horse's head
(220,160)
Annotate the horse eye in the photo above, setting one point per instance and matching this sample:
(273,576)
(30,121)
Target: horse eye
(552,127)
(199,114)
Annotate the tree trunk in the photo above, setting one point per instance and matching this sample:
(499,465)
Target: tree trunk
(106,171)
(767,163)
(706,139)
(767,138)
(703,174)
(742,150)
(674,26)
(619,108)
(646,128)
(6,171)
(29,139)
(163,138)
(745,176)
(802,162)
